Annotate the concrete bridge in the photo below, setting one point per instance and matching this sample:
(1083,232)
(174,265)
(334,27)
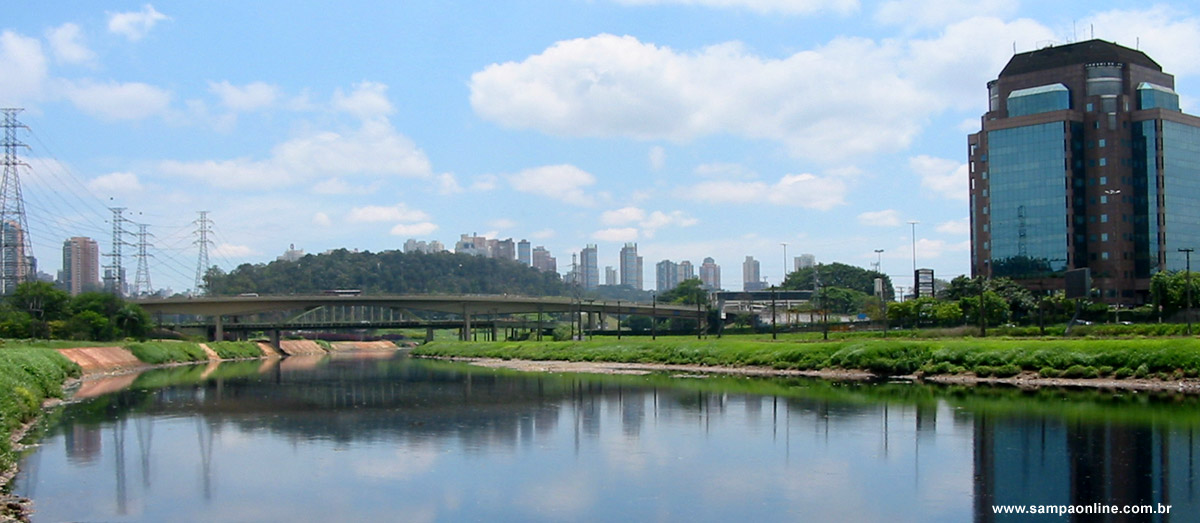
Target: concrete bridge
(466,307)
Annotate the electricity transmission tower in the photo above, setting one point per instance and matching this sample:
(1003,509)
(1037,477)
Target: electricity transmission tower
(16,253)
(141,282)
(203,229)
(115,278)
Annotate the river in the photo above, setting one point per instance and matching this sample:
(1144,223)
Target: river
(396,439)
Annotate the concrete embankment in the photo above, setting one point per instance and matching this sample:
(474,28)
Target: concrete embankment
(102,359)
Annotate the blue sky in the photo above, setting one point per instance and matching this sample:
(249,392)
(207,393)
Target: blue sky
(696,128)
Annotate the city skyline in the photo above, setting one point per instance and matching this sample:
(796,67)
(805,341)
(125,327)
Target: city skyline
(725,131)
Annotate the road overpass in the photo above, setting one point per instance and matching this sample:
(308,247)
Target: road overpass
(466,306)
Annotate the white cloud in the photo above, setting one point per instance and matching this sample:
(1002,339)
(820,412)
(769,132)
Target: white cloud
(375,150)
(367,100)
(485,182)
(617,234)
(842,100)
(938,13)
(1167,34)
(947,178)
(786,7)
(501,224)
(622,216)
(448,184)
(135,25)
(884,218)
(66,42)
(414,229)
(339,186)
(229,250)
(542,234)
(115,183)
(799,190)
(560,182)
(250,97)
(118,101)
(658,219)
(395,213)
(24,67)
(960,227)
(658,157)
(321,220)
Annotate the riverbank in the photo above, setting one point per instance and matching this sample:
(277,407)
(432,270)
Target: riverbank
(1135,363)
(36,375)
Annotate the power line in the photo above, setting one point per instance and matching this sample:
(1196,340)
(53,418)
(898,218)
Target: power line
(16,252)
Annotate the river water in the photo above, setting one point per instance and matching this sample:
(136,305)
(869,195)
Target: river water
(396,439)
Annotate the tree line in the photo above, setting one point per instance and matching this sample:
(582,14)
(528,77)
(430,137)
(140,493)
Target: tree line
(39,310)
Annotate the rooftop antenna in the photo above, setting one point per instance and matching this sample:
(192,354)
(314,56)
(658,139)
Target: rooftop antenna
(1093,28)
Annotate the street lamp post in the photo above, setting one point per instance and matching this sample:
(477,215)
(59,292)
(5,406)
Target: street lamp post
(1188,278)
(781,280)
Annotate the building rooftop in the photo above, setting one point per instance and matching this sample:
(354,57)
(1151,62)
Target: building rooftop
(1091,51)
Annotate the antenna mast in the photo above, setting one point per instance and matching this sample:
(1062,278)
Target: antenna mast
(16,253)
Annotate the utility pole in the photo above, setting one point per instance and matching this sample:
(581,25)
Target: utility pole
(16,251)
(141,282)
(203,229)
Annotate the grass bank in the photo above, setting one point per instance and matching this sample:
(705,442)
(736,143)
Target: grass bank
(1164,358)
(28,377)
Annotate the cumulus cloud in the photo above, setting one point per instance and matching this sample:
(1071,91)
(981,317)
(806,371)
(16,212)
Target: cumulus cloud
(394,213)
(448,184)
(658,157)
(884,218)
(66,43)
(937,13)
(960,227)
(24,66)
(841,100)
(616,234)
(786,7)
(137,24)
(321,220)
(414,229)
(800,190)
(946,178)
(622,216)
(115,183)
(118,101)
(367,100)
(542,234)
(647,223)
(560,182)
(1166,33)
(373,151)
(249,97)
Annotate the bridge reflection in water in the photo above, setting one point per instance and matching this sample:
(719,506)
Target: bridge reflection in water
(807,448)
(462,312)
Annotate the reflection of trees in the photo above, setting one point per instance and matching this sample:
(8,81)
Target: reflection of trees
(1025,267)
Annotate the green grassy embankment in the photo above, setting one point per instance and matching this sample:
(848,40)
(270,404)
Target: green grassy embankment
(28,377)
(236,350)
(1164,358)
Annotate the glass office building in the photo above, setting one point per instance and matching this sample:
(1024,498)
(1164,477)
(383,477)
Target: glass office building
(1084,159)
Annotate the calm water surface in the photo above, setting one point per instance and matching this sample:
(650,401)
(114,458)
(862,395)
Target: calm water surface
(396,439)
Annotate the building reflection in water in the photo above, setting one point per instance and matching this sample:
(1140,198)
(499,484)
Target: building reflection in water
(897,450)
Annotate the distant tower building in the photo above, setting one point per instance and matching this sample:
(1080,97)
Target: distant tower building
(505,250)
(805,261)
(412,245)
(686,270)
(81,265)
(589,268)
(631,267)
(710,274)
(610,275)
(471,244)
(667,275)
(751,276)
(524,254)
(435,247)
(543,261)
(292,254)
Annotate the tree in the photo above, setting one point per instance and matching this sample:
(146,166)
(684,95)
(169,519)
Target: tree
(839,275)
(689,292)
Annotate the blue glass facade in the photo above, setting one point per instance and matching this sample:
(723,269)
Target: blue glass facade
(1028,184)
(1181,190)
(1036,100)
(1145,199)
(1152,96)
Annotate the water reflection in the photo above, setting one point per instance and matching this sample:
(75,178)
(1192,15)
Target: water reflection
(371,439)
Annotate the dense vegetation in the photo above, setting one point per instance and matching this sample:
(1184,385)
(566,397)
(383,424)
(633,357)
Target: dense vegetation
(38,310)
(387,272)
(28,376)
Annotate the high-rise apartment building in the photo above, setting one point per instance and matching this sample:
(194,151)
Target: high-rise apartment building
(804,261)
(81,265)
(610,275)
(1084,160)
(524,254)
(631,266)
(589,268)
(505,250)
(543,261)
(687,271)
(710,274)
(17,266)
(751,275)
(667,275)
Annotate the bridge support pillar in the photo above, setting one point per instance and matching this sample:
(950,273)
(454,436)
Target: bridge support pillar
(275,340)
(466,329)
(219,333)
(428,334)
